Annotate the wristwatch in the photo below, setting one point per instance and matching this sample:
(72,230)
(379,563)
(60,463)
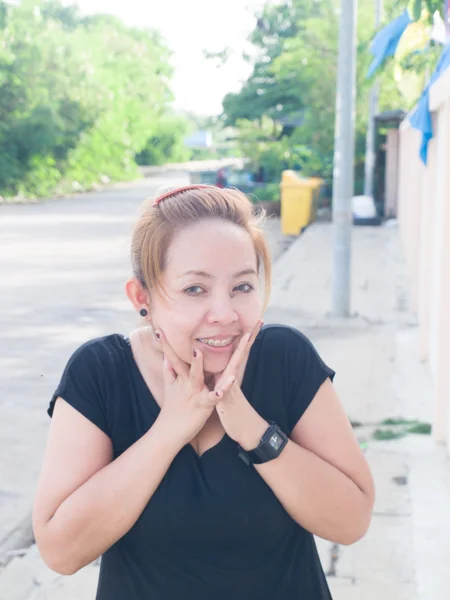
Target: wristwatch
(271,446)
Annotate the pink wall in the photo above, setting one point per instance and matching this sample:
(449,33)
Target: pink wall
(424,223)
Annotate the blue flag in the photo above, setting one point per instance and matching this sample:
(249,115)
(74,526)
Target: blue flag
(420,119)
(385,43)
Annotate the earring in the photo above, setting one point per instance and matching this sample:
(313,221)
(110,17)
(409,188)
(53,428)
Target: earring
(143,312)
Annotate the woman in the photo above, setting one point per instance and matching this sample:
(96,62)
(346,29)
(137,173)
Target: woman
(200,454)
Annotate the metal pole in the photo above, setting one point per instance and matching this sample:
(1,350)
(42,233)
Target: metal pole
(344,157)
(447,24)
(369,164)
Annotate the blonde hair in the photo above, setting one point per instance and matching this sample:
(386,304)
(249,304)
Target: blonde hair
(157,225)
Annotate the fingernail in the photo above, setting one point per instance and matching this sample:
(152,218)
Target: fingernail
(194,352)
(218,394)
(158,335)
(249,337)
(232,379)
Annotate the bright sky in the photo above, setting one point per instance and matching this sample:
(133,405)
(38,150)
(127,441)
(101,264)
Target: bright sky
(191,26)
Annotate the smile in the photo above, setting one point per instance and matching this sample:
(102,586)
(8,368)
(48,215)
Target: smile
(216,343)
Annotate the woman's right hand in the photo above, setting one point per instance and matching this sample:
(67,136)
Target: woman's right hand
(188,403)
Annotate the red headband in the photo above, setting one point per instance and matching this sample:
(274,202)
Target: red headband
(157,200)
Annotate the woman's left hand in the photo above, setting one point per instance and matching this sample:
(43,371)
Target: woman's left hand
(240,420)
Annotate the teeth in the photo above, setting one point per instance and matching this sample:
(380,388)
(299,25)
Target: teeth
(216,343)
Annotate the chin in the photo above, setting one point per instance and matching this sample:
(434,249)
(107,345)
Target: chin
(215,365)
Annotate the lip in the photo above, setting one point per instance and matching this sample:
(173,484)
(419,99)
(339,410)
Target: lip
(219,338)
(216,349)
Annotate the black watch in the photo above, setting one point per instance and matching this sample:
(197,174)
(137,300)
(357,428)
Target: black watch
(271,446)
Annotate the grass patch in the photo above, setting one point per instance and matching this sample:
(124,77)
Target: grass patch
(388,434)
(420,428)
(393,429)
(398,421)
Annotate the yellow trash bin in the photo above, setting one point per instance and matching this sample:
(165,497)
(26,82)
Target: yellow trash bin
(298,201)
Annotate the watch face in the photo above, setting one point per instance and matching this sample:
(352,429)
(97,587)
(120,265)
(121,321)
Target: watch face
(276,441)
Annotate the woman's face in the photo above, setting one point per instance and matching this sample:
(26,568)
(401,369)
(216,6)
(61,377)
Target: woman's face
(212,289)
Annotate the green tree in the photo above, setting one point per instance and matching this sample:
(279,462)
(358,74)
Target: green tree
(166,140)
(295,79)
(81,97)
(264,93)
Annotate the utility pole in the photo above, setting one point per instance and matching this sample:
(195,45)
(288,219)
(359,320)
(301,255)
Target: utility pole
(344,158)
(369,164)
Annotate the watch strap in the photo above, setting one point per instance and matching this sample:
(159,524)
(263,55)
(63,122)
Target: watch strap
(270,446)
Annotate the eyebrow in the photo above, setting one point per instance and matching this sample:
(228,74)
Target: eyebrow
(206,275)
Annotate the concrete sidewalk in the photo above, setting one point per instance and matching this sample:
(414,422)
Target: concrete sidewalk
(405,554)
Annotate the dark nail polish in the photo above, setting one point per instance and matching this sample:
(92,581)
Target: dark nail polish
(194,352)
(217,394)
(158,335)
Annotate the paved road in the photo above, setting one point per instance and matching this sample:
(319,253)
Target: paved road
(63,265)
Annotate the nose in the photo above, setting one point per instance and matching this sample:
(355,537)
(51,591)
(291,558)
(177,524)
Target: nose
(221,310)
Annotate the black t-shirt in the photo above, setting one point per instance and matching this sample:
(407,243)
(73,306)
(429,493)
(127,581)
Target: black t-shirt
(213,530)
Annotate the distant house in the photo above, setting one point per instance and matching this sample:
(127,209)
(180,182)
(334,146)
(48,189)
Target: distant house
(199,139)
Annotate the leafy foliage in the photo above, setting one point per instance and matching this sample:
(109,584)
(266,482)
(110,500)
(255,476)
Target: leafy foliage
(417,54)
(166,141)
(268,193)
(264,93)
(81,97)
(285,112)
(419,7)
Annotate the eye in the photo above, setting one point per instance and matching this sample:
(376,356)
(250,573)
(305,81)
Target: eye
(244,287)
(194,290)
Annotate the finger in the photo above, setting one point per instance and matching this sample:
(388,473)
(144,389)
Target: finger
(196,372)
(222,379)
(169,375)
(178,365)
(256,330)
(237,362)
(241,352)
(214,397)
(225,387)
(246,344)
(243,362)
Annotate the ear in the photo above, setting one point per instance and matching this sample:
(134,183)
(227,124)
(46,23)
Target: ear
(137,295)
